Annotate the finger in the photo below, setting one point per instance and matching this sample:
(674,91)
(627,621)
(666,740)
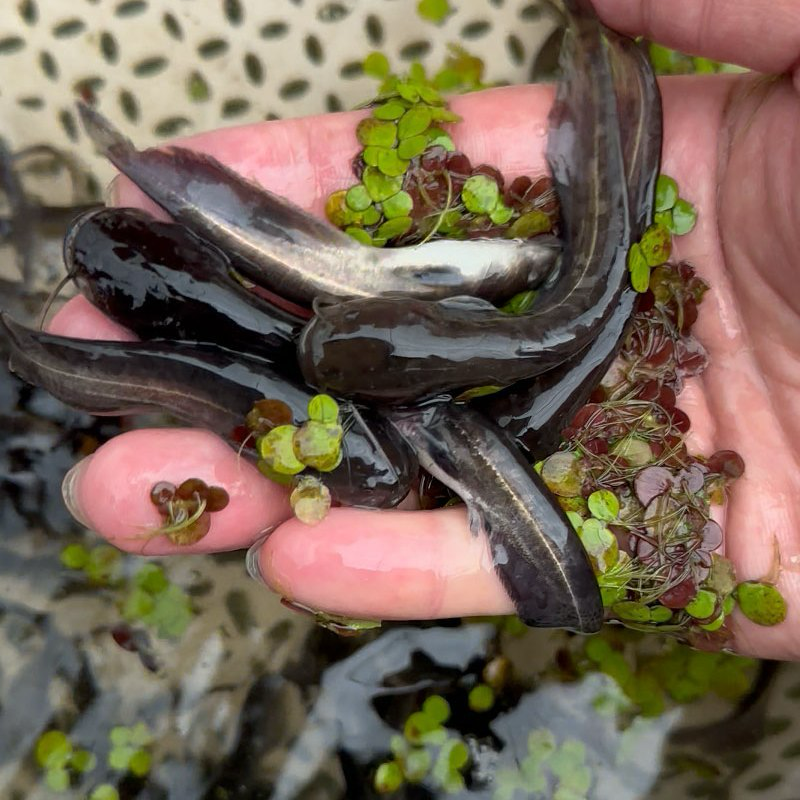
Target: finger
(392,565)
(80,319)
(763,35)
(109,491)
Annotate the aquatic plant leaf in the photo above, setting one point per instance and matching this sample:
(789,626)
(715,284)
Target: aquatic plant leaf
(666,193)
(370,155)
(638,268)
(357,198)
(481,697)
(417,726)
(390,163)
(105,791)
(520,303)
(151,578)
(388,777)
(715,624)
(660,614)
(541,743)
(702,605)
(417,764)
(381,187)
(74,556)
(501,213)
(632,611)
(171,614)
(83,761)
(277,450)
(57,779)
(120,757)
(120,736)
(444,115)
(139,764)
(435,11)
(359,234)
(722,577)
(376,132)
(576,520)
(53,750)
(603,505)
(597,648)
(600,544)
(310,500)
(480,194)
(371,216)
(408,91)
(634,450)
(337,211)
(656,244)
(414,122)
(437,708)
(394,227)
(563,474)
(761,603)
(478,391)
(323,408)
(399,205)
(391,110)
(376,65)
(684,217)
(529,225)
(413,146)
(439,138)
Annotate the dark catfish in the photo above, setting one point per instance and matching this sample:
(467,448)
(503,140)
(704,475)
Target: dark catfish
(285,249)
(208,387)
(536,411)
(398,351)
(535,551)
(162,281)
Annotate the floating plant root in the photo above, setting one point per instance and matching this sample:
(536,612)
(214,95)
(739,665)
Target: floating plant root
(186,509)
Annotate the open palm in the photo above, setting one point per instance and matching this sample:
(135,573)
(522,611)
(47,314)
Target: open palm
(731,143)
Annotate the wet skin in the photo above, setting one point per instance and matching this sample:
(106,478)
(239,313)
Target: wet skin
(536,411)
(288,251)
(162,282)
(210,387)
(405,564)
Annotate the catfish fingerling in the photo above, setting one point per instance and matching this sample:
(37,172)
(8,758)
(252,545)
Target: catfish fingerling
(162,281)
(536,411)
(283,248)
(536,553)
(208,387)
(399,351)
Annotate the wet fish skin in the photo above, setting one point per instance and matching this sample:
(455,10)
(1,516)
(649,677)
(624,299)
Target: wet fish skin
(209,387)
(286,250)
(536,553)
(397,352)
(536,412)
(162,281)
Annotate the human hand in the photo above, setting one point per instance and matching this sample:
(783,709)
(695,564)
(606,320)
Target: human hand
(729,143)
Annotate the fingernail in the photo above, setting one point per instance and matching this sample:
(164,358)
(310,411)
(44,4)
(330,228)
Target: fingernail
(69,491)
(111,194)
(253,561)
